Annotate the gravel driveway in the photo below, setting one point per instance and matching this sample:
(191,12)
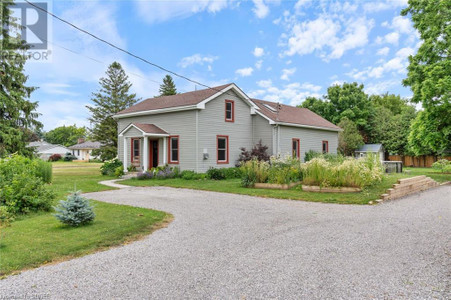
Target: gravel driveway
(224,246)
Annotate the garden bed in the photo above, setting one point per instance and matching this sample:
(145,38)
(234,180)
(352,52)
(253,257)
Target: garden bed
(315,188)
(276,186)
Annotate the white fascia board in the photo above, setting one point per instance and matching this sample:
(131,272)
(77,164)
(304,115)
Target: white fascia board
(156,134)
(265,117)
(308,126)
(128,127)
(155,111)
(201,105)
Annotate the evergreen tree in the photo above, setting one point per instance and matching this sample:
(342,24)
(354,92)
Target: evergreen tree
(168,87)
(17,113)
(75,211)
(112,98)
(429,76)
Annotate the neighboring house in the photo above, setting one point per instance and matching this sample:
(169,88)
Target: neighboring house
(45,150)
(206,128)
(83,149)
(376,149)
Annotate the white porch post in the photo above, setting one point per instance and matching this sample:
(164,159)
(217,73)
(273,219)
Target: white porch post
(125,155)
(165,150)
(146,154)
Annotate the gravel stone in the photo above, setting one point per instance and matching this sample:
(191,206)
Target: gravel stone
(226,246)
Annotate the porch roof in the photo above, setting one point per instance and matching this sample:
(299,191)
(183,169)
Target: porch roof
(146,129)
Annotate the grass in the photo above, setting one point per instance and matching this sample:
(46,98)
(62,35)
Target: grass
(233,186)
(38,238)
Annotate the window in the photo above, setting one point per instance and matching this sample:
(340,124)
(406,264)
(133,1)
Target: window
(325,146)
(229,111)
(78,152)
(295,148)
(136,150)
(222,146)
(174,149)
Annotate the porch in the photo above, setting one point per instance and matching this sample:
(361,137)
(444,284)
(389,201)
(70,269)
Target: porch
(144,146)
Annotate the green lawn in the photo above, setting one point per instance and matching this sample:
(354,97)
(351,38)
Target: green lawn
(35,239)
(233,186)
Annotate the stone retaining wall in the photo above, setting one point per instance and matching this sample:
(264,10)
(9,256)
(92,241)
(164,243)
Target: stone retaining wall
(409,186)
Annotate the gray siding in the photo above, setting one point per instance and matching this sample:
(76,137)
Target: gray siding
(176,123)
(212,123)
(262,130)
(310,139)
(132,132)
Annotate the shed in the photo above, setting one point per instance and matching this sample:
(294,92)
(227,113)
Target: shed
(376,149)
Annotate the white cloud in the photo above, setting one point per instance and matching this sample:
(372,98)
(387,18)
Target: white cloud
(402,24)
(258,64)
(156,11)
(377,88)
(261,10)
(392,38)
(286,73)
(356,35)
(258,52)
(328,35)
(244,72)
(377,6)
(292,94)
(197,59)
(383,51)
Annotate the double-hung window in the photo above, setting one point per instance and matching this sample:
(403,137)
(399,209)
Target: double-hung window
(229,111)
(222,149)
(174,149)
(295,148)
(136,150)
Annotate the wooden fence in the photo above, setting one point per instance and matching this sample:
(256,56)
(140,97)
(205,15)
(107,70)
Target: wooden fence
(424,161)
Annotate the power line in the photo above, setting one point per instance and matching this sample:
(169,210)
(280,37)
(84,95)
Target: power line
(99,61)
(122,50)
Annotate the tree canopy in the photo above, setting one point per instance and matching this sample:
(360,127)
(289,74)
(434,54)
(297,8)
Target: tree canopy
(114,95)
(17,113)
(65,135)
(429,76)
(349,139)
(167,88)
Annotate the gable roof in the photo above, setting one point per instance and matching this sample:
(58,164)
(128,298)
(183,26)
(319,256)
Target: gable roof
(86,145)
(370,148)
(149,129)
(43,146)
(289,115)
(178,100)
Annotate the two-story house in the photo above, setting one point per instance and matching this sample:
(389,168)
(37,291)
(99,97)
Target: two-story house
(206,128)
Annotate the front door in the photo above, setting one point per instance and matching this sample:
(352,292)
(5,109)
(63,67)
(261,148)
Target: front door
(153,154)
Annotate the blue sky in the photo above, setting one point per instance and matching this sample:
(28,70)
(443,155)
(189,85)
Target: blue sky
(274,50)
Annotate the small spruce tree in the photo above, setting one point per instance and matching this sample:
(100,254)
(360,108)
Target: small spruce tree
(167,88)
(75,211)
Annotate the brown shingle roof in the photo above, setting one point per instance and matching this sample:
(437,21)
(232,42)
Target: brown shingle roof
(150,128)
(291,114)
(185,99)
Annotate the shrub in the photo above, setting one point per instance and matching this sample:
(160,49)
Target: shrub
(119,171)
(109,166)
(311,154)
(6,217)
(350,172)
(44,170)
(254,171)
(258,152)
(69,157)
(164,172)
(21,186)
(284,170)
(215,174)
(75,211)
(442,165)
(144,175)
(55,157)
(230,173)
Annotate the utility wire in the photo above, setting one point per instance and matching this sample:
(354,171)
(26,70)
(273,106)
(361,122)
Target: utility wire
(123,50)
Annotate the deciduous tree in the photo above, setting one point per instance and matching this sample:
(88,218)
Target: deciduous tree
(349,139)
(66,135)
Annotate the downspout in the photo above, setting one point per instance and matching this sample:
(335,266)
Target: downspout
(197,141)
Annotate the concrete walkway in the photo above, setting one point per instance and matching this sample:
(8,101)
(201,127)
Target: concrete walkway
(113,183)
(224,246)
